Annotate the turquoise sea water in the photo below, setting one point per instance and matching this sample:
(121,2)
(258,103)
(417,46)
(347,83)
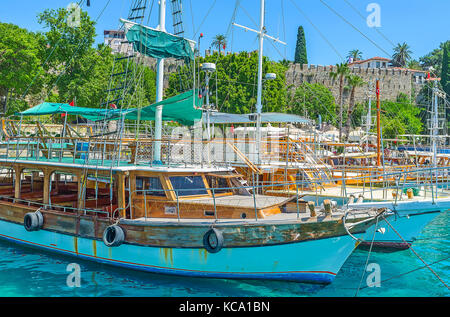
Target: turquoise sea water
(30,272)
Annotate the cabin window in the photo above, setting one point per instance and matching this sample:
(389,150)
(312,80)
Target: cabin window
(219,184)
(188,185)
(151,186)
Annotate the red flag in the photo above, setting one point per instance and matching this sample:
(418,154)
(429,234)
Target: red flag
(232,128)
(72,104)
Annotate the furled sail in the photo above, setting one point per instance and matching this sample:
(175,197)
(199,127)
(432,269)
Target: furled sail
(158,44)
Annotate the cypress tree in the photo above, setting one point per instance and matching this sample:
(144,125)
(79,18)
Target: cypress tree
(300,49)
(445,76)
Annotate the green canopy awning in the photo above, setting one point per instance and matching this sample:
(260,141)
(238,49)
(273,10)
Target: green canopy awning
(180,108)
(93,114)
(158,44)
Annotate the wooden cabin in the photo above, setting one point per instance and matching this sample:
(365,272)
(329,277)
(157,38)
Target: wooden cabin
(135,192)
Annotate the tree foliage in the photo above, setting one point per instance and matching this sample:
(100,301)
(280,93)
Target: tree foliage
(20,64)
(434,59)
(400,117)
(82,72)
(312,100)
(301,56)
(445,74)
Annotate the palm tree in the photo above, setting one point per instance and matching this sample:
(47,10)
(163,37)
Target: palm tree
(341,72)
(354,82)
(220,41)
(356,55)
(402,54)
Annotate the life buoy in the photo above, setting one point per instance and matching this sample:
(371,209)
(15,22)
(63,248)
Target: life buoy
(33,221)
(113,236)
(213,240)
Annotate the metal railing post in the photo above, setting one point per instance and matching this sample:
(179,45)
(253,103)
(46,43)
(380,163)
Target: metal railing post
(214,201)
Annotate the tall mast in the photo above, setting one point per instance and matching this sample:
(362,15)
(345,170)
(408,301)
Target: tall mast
(261,34)
(259,93)
(435,124)
(159,88)
(378,125)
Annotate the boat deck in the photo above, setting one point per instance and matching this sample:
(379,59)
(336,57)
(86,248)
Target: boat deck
(257,201)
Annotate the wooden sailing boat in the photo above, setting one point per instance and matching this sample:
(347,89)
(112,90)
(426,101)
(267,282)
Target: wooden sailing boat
(99,203)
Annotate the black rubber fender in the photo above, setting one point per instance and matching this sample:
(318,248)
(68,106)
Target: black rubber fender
(33,221)
(113,236)
(213,240)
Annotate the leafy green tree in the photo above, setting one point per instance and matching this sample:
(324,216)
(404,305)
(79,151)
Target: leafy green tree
(400,117)
(236,83)
(433,60)
(71,62)
(402,55)
(285,62)
(79,71)
(414,64)
(20,65)
(66,43)
(445,74)
(301,56)
(312,100)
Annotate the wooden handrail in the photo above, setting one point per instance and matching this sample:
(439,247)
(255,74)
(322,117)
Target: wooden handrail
(249,163)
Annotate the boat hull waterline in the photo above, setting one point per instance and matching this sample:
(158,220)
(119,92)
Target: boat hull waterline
(299,262)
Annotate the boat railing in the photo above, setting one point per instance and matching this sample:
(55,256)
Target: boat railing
(56,207)
(96,151)
(434,181)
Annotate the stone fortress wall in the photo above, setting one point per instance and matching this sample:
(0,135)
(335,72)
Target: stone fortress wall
(392,81)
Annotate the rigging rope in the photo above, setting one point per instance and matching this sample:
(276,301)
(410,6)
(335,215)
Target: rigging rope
(354,27)
(368,257)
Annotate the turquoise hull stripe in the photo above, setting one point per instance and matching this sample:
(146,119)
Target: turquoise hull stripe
(316,261)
